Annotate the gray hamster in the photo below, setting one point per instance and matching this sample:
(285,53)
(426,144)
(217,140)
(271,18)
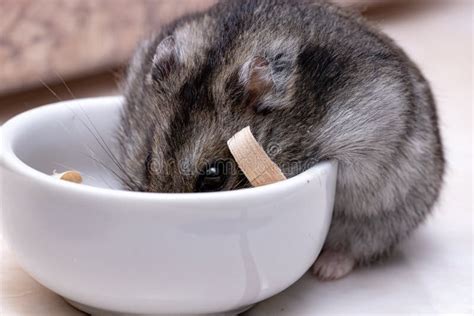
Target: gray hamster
(314,82)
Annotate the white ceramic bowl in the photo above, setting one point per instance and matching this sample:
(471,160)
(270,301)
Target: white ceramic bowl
(149,253)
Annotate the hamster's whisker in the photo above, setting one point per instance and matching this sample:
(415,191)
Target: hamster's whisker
(100,140)
(65,85)
(105,146)
(117,76)
(50,89)
(88,148)
(119,177)
(238,184)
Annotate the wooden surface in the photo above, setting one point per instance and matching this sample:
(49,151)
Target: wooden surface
(42,40)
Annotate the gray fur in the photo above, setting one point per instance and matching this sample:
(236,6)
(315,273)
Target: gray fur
(340,90)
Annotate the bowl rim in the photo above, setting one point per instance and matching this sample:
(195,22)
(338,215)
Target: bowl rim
(10,161)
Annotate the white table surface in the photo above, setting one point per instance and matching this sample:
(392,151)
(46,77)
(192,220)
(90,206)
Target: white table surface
(430,273)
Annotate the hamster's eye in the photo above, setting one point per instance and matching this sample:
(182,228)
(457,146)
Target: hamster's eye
(213,177)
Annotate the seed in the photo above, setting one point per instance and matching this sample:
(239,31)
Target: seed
(71,176)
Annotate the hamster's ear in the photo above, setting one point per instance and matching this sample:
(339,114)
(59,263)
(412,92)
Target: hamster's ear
(256,77)
(165,59)
(269,81)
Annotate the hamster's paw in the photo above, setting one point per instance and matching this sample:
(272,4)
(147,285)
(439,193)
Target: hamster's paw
(332,265)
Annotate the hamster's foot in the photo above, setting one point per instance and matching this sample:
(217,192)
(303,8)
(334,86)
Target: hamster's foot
(332,265)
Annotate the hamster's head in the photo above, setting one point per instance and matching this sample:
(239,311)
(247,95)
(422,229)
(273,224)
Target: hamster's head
(185,97)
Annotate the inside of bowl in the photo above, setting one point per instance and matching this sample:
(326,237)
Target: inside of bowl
(78,135)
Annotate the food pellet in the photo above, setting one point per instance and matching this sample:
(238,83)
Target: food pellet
(71,176)
(253,160)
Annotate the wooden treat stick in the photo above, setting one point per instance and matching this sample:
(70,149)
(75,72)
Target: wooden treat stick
(71,176)
(252,159)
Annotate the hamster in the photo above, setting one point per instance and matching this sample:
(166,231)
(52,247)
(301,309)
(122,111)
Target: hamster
(314,82)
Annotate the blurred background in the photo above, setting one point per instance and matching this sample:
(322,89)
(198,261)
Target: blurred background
(54,50)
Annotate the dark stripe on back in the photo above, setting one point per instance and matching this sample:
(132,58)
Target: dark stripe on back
(195,95)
